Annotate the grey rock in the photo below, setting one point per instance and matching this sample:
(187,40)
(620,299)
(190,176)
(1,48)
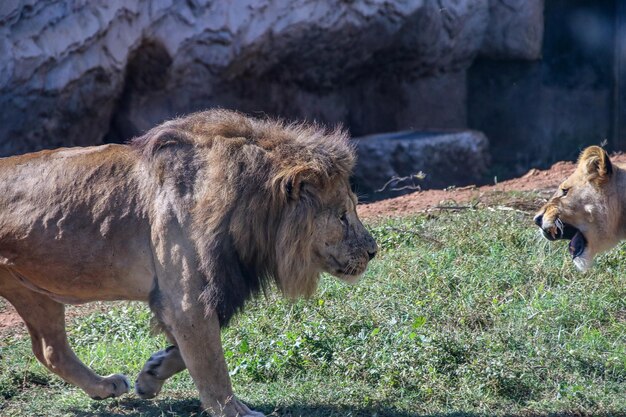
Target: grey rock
(389,164)
(78,72)
(515,30)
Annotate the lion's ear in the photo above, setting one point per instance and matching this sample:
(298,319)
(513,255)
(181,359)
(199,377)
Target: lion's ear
(297,180)
(293,187)
(595,164)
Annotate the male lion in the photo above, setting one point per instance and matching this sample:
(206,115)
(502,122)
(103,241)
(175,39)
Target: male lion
(587,209)
(195,217)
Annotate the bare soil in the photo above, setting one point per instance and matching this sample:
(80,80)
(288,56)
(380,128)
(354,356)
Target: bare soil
(8,318)
(543,182)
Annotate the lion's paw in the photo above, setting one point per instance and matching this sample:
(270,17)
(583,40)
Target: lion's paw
(150,380)
(147,387)
(112,386)
(235,408)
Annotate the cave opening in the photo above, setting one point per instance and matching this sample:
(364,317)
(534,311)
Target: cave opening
(147,71)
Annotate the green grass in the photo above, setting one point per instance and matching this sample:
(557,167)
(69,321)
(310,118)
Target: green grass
(462,314)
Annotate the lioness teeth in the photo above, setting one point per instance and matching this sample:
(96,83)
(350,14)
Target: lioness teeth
(553,231)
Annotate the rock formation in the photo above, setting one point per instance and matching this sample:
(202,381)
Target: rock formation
(78,72)
(387,163)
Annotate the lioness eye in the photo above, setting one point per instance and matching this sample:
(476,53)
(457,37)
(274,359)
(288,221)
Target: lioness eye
(564,191)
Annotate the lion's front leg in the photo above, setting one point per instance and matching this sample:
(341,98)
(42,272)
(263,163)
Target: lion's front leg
(198,338)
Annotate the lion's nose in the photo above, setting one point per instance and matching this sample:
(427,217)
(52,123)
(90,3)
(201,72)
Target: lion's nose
(539,219)
(370,246)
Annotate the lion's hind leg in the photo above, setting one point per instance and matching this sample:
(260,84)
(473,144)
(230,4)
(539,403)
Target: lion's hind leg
(45,320)
(162,365)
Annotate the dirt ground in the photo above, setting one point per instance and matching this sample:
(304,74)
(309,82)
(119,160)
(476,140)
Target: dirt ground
(8,318)
(542,181)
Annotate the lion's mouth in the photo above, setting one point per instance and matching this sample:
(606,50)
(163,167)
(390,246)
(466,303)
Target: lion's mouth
(577,243)
(347,269)
(350,271)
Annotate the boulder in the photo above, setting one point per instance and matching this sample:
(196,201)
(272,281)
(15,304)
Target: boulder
(398,163)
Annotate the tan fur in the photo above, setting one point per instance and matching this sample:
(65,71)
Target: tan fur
(591,200)
(195,217)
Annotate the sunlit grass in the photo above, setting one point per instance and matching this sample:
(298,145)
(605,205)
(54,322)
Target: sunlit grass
(463,312)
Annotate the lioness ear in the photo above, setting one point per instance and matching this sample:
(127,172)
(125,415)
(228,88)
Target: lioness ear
(595,164)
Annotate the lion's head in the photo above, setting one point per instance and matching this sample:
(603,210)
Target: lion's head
(318,226)
(586,209)
(271,202)
(321,232)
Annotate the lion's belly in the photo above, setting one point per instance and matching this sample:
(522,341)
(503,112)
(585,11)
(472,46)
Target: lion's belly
(77,289)
(76,282)
(82,263)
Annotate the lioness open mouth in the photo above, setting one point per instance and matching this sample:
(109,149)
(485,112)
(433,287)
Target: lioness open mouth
(577,243)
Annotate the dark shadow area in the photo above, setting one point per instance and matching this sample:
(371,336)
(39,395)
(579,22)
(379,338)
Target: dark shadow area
(147,70)
(136,407)
(538,113)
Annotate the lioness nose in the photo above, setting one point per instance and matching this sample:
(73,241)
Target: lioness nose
(539,219)
(371,254)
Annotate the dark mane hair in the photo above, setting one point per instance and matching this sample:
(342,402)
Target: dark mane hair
(264,182)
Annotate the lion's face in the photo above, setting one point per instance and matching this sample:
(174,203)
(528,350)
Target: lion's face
(341,244)
(585,209)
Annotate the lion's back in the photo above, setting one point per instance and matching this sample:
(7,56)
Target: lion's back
(63,179)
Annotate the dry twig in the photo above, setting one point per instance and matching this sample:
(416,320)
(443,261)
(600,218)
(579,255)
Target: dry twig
(396,180)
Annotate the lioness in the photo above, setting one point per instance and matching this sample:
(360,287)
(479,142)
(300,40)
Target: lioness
(194,217)
(588,208)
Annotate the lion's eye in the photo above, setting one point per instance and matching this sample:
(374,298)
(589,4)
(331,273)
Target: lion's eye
(564,191)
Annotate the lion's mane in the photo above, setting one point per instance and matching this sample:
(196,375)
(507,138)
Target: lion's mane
(253,188)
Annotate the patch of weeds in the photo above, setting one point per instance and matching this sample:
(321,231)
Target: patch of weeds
(461,310)
(127,322)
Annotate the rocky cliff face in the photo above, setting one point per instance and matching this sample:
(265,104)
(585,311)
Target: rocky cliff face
(79,72)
